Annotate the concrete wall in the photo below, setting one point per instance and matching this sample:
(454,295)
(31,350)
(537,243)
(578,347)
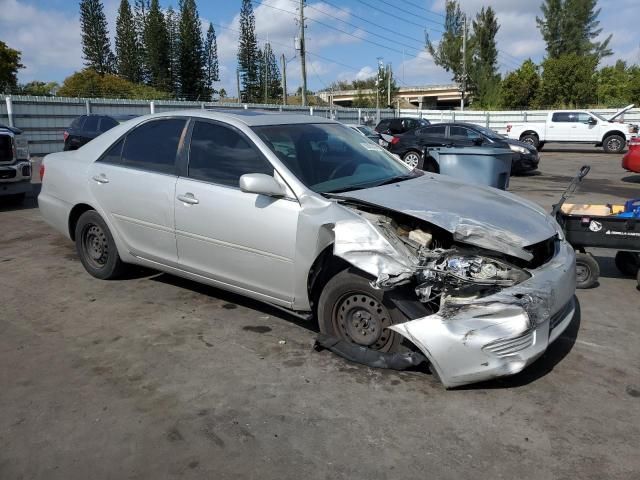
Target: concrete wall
(43,119)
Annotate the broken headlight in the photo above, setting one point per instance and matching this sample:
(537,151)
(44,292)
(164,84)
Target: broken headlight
(482,270)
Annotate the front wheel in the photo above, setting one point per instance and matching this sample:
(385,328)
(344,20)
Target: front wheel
(350,309)
(96,247)
(531,139)
(587,270)
(614,144)
(412,159)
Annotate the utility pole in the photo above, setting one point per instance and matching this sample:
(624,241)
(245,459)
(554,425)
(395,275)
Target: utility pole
(266,73)
(238,85)
(284,79)
(303,65)
(388,85)
(378,91)
(464,62)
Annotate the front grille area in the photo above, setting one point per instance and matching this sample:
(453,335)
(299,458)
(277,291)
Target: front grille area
(6,173)
(508,346)
(559,316)
(542,252)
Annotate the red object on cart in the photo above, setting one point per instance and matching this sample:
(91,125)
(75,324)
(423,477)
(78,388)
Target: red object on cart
(631,160)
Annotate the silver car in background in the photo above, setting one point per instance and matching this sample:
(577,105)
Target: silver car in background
(306,214)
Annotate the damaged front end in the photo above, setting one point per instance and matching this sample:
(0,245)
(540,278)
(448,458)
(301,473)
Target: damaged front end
(493,312)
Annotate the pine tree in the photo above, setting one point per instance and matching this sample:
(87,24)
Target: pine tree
(156,43)
(274,79)
(127,48)
(96,48)
(140,12)
(248,57)
(483,70)
(173,36)
(211,63)
(448,52)
(571,27)
(191,56)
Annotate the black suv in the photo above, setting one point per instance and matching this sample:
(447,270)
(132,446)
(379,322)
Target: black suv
(88,127)
(397,126)
(410,146)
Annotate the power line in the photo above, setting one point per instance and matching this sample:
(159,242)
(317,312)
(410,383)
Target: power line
(389,14)
(421,7)
(396,7)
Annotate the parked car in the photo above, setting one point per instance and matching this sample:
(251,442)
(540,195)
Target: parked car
(299,212)
(576,126)
(410,146)
(397,126)
(369,133)
(15,163)
(631,160)
(87,127)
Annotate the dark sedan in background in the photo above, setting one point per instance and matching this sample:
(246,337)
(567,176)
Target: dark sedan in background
(87,127)
(400,125)
(410,145)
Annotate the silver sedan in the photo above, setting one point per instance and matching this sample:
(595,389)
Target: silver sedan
(305,214)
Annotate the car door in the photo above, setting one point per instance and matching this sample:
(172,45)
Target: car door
(431,136)
(240,239)
(461,136)
(584,130)
(560,128)
(134,184)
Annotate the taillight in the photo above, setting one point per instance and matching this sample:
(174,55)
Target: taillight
(65,135)
(508,128)
(395,140)
(41,171)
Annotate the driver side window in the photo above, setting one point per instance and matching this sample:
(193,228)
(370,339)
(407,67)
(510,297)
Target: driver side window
(221,155)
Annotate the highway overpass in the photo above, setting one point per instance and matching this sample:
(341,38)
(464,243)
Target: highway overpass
(424,97)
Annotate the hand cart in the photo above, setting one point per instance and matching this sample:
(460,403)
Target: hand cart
(600,226)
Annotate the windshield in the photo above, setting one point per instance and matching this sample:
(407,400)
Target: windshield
(331,158)
(487,132)
(366,130)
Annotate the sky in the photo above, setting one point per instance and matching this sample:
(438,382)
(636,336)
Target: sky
(345,38)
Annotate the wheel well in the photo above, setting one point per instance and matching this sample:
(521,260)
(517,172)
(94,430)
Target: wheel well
(432,160)
(613,132)
(75,215)
(528,132)
(325,266)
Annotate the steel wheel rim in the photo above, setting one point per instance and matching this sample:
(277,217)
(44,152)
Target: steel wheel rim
(361,319)
(529,141)
(582,273)
(614,143)
(95,245)
(412,160)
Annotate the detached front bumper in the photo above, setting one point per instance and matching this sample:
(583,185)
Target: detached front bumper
(471,341)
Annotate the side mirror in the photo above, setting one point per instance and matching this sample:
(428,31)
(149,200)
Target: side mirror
(261,184)
(592,121)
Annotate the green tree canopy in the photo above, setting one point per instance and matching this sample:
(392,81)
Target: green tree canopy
(448,52)
(39,89)
(96,48)
(568,81)
(191,52)
(211,61)
(156,48)
(483,70)
(173,36)
(9,66)
(89,83)
(520,87)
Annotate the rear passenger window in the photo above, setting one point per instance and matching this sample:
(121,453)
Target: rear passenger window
(154,145)
(561,117)
(91,123)
(434,130)
(221,155)
(113,155)
(107,123)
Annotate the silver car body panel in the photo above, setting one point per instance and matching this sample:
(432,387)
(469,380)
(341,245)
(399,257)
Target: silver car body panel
(265,248)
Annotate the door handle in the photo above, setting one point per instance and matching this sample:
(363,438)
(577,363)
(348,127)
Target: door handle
(189,199)
(102,178)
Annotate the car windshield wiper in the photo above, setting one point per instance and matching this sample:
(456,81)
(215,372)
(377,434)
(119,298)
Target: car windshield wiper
(396,179)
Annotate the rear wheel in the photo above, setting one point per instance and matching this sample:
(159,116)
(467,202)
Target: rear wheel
(628,263)
(614,144)
(531,139)
(587,270)
(413,159)
(96,247)
(350,309)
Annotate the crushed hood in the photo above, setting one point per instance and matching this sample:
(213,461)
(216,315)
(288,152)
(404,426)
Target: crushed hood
(481,216)
(620,112)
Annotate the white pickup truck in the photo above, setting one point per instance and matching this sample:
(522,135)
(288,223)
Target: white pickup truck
(576,126)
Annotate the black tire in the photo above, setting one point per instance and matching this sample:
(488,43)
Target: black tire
(540,146)
(96,247)
(614,144)
(628,263)
(587,270)
(531,139)
(638,278)
(413,159)
(349,308)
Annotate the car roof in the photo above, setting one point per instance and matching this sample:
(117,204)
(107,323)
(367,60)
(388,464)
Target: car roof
(251,118)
